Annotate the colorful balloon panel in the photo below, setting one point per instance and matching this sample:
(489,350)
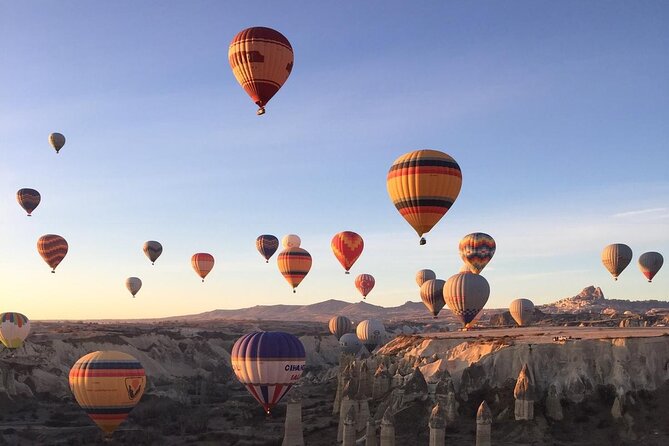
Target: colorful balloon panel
(432,295)
(522,311)
(57,141)
(261,60)
(152,249)
(466,294)
(424,275)
(14,329)
(53,249)
(339,326)
(650,263)
(267,245)
(476,250)
(133,284)
(202,263)
(347,247)
(365,283)
(423,185)
(294,265)
(616,257)
(28,199)
(268,364)
(107,385)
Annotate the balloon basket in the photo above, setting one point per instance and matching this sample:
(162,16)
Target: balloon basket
(422,241)
(261,111)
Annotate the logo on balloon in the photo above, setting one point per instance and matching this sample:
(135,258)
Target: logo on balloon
(133,386)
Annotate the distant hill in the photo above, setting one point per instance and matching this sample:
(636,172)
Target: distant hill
(591,300)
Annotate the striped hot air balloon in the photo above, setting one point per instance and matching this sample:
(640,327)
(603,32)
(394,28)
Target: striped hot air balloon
(267,245)
(202,263)
(424,275)
(107,385)
(476,250)
(365,283)
(650,263)
(522,311)
(432,295)
(57,141)
(423,186)
(350,344)
(347,247)
(133,284)
(14,329)
(371,333)
(152,249)
(294,264)
(268,363)
(340,325)
(53,249)
(616,257)
(466,294)
(261,60)
(29,199)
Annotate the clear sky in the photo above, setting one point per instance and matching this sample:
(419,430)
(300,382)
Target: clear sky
(557,112)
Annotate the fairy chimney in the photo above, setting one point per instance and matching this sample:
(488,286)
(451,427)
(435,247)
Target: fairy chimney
(524,395)
(388,428)
(483,424)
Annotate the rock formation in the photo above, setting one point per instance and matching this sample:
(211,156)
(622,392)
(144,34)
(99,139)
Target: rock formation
(381,384)
(370,433)
(388,428)
(524,394)
(553,404)
(348,432)
(483,424)
(437,426)
(293,435)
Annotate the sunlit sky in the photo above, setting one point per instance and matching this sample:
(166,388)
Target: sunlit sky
(557,112)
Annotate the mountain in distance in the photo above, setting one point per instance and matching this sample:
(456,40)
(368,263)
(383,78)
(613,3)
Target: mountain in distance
(591,300)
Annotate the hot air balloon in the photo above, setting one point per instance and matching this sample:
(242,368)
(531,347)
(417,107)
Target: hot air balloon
(466,294)
(153,250)
(107,385)
(261,60)
(465,269)
(268,363)
(57,141)
(424,275)
(476,250)
(267,245)
(432,295)
(350,344)
(294,264)
(28,199)
(370,332)
(522,311)
(202,263)
(616,257)
(339,326)
(347,247)
(53,249)
(14,329)
(423,186)
(133,284)
(364,283)
(291,241)
(650,263)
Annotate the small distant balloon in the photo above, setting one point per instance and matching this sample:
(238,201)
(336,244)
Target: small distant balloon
(14,329)
(339,326)
(202,263)
(466,294)
(152,249)
(350,344)
(424,275)
(29,199)
(53,249)
(57,141)
(476,250)
(133,284)
(267,245)
(347,247)
(291,241)
(522,311)
(432,295)
(365,283)
(616,257)
(370,332)
(294,265)
(650,263)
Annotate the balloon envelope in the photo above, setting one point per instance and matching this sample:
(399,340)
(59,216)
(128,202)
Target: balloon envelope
(133,284)
(202,263)
(339,326)
(350,344)
(432,295)
(261,60)
(522,311)
(616,257)
(650,263)
(291,241)
(424,275)
(107,385)
(53,249)
(14,329)
(476,250)
(57,141)
(152,249)
(267,245)
(29,199)
(423,186)
(347,247)
(365,283)
(370,332)
(268,364)
(466,294)
(294,265)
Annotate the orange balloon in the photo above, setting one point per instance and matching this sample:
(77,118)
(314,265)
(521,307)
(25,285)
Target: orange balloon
(294,264)
(202,263)
(347,247)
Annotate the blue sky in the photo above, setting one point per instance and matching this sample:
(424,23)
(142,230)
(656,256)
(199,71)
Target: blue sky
(556,112)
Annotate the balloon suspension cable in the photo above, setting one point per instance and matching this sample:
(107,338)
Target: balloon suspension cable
(422,241)
(261,111)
